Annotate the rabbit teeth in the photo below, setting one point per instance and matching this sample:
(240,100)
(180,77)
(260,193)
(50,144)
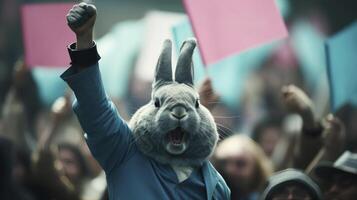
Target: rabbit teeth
(176,136)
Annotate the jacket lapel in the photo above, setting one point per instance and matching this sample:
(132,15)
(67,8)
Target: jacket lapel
(210,178)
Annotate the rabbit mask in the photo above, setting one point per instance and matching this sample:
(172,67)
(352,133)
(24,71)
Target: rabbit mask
(174,128)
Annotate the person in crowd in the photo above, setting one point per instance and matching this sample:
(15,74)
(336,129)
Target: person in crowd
(222,114)
(339,179)
(329,16)
(291,184)
(277,136)
(208,97)
(243,165)
(319,139)
(49,179)
(261,91)
(64,162)
(21,108)
(296,101)
(14,173)
(58,169)
(348,115)
(74,164)
(267,134)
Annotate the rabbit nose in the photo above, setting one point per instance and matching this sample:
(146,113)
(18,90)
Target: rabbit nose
(178,112)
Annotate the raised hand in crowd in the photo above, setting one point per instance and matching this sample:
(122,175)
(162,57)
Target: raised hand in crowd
(310,140)
(21,108)
(296,101)
(334,139)
(320,139)
(60,109)
(208,97)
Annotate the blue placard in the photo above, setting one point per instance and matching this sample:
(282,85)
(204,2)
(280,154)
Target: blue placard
(341,54)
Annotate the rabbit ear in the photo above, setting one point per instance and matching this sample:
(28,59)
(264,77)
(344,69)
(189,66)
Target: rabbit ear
(163,68)
(184,67)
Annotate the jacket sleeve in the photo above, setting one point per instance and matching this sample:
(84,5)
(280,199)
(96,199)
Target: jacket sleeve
(107,134)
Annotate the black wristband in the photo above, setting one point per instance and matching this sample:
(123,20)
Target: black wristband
(313,132)
(83,58)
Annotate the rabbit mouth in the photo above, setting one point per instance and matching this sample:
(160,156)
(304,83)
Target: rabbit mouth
(176,136)
(176,141)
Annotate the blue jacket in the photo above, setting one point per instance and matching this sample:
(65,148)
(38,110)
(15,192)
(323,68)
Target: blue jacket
(130,174)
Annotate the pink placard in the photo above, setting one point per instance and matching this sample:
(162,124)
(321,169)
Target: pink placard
(46,34)
(227,27)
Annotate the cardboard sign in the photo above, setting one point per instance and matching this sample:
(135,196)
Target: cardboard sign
(227,27)
(46,34)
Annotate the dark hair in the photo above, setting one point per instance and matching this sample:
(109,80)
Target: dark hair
(273,121)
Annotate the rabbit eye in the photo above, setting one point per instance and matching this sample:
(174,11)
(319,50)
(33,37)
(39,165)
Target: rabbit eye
(157,103)
(197,103)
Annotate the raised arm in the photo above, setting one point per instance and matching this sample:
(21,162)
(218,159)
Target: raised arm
(107,135)
(310,141)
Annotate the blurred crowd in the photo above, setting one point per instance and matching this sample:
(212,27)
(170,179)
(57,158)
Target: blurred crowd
(282,142)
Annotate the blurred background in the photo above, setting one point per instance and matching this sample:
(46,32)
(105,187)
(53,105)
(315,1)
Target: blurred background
(270,96)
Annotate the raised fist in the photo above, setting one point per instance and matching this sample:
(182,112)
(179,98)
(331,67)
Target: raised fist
(81,18)
(296,101)
(208,97)
(61,108)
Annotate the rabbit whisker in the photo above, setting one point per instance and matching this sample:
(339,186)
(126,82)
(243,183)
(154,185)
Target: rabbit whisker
(227,117)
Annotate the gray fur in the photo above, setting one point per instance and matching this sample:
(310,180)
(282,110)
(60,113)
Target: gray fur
(184,69)
(150,124)
(163,72)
